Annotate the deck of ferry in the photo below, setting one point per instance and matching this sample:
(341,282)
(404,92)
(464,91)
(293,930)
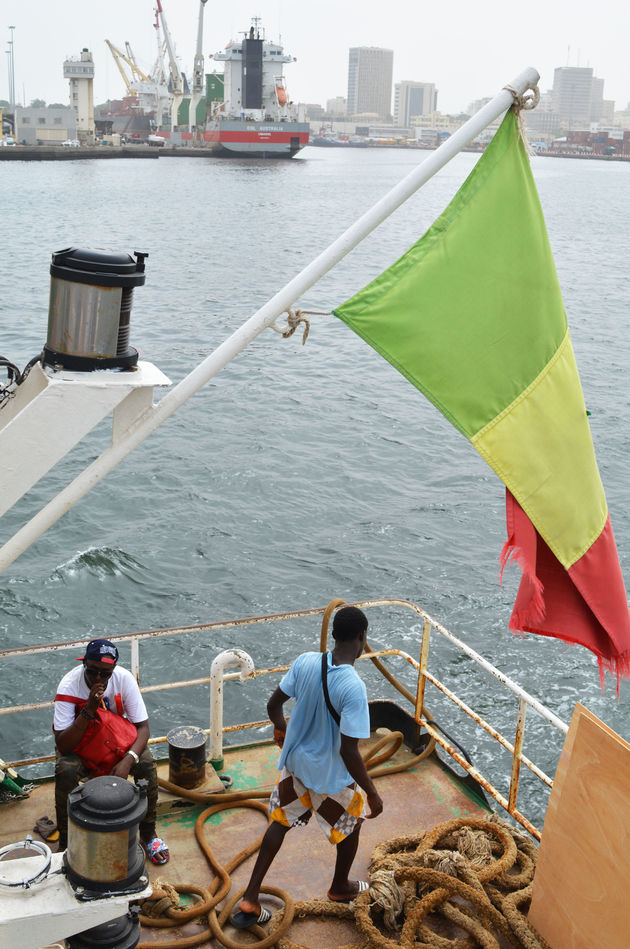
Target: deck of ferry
(414,801)
(428,793)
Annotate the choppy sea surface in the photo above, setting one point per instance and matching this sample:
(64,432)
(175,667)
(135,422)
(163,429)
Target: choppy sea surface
(300,473)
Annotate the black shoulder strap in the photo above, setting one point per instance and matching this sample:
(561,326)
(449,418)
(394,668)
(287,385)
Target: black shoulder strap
(329,705)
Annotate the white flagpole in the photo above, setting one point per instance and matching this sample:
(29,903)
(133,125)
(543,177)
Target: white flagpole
(263,318)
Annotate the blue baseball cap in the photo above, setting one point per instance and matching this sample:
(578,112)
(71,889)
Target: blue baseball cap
(100,650)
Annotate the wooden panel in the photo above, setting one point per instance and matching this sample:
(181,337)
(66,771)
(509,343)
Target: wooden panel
(579,898)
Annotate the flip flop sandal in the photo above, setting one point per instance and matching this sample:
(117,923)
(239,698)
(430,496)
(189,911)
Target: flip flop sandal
(46,828)
(363,885)
(244,920)
(156,850)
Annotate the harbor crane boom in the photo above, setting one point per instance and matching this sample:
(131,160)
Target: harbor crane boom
(159,72)
(198,71)
(129,58)
(177,85)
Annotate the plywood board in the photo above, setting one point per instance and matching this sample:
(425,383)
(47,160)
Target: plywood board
(579,898)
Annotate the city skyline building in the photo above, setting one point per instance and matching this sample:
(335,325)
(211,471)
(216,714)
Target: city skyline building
(337,106)
(80,74)
(412,99)
(577,95)
(370,75)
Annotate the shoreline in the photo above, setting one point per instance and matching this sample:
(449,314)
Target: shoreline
(59,153)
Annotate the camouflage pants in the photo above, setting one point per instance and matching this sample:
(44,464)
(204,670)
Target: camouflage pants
(70,770)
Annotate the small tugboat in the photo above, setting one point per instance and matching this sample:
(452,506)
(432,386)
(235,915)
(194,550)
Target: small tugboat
(256,117)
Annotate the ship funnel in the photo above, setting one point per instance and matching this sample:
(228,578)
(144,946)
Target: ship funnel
(91,293)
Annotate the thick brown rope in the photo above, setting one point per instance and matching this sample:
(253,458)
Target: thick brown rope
(498,869)
(215,893)
(484,912)
(317,908)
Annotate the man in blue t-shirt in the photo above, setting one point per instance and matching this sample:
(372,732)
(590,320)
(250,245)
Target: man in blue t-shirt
(320,763)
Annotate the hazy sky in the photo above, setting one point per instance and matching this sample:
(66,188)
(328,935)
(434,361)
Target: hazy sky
(468,49)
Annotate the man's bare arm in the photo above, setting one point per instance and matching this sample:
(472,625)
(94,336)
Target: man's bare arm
(276,715)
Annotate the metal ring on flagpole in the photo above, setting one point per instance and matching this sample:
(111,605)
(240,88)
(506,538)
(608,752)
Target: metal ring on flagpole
(28,844)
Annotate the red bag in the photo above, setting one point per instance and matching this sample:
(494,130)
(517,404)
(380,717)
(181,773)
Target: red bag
(107,739)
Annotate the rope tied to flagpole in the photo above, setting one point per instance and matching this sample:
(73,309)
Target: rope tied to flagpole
(294,318)
(524,102)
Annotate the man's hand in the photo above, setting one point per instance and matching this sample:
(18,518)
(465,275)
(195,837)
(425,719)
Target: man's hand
(279,735)
(375,804)
(122,768)
(95,698)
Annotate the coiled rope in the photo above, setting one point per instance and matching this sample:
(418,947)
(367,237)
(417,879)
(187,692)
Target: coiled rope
(475,875)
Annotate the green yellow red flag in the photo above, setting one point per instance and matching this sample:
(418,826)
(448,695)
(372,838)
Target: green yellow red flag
(472,315)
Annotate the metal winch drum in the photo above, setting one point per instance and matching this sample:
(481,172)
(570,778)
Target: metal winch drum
(91,293)
(104,854)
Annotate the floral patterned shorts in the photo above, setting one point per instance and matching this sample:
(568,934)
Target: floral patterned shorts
(338,814)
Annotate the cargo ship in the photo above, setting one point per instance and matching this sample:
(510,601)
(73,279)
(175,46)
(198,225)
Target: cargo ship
(256,117)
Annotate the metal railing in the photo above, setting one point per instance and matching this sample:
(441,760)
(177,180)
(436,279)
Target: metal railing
(424,678)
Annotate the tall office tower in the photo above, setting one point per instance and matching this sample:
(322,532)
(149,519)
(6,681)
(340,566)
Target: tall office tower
(577,95)
(370,72)
(411,99)
(80,73)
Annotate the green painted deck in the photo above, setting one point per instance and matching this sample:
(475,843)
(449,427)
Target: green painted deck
(414,801)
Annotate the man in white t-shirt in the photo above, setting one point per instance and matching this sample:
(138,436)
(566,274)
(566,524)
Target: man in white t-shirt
(82,691)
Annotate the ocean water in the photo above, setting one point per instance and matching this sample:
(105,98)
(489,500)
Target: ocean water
(300,473)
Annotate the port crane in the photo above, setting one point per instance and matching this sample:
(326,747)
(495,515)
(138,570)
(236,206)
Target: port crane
(163,90)
(175,75)
(136,73)
(198,71)
(159,72)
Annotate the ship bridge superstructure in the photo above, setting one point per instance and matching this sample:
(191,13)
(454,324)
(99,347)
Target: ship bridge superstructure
(253,79)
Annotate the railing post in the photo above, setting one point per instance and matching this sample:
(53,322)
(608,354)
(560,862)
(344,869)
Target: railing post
(229,657)
(516,757)
(135,659)
(424,658)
